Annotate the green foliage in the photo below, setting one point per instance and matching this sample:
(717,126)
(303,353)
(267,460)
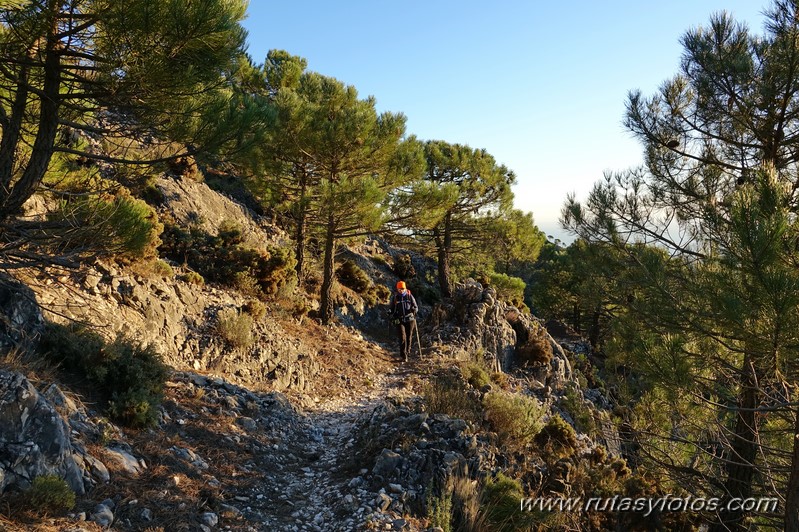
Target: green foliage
(255,308)
(226,259)
(448,394)
(350,275)
(508,288)
(710,301)
(403,267)
(572,401)
(49,495)
(129,376)
(448,207)
(512,240)
(331,159)
(382,293)
(192,278)
(535,350)
(143,60)
(475,374)
(557,439)
(439,510)
(119,225)
(423,292)
(515,418)
(499,504)
(235,327)
(162,269)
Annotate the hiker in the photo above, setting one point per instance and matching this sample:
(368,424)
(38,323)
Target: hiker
(403,315)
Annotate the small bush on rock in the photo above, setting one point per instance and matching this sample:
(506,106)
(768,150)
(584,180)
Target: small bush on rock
(225,259)
(508,288)
(403,267)
(499,504)
(536,351)
(447,394)
(353,277)
(129,376)
(192,278)
(118,225)
(235,327)
(255,308)
(558,439)
(475,374)
(439,511)
(49,495)
(515,418)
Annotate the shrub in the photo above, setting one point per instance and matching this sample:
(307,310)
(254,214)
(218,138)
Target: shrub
(50,495)
(439,511)
(557,438)
(225,259)
(162,269)
(515,418)
(153,195)
(255,308)
(508,288)
(353,277)
(447,394)
(382,293)
(129,376)
(499,503)
(501,379)
(192,278)
(119,225)
(423,292)
(403,267)
(572,402)
(536,350)
(235,327)
(475,374)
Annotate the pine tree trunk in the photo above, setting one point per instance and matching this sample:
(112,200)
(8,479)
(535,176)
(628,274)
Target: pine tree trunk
(444,244)
(326,305)
(299,250)
(792,497)
(741,465)
(12,127)
(593,332)
(301,218)
(11,199)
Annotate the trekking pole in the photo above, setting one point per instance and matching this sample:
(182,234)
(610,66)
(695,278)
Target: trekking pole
(418,343)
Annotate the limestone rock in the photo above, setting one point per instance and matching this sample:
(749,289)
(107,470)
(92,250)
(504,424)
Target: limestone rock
(34,440)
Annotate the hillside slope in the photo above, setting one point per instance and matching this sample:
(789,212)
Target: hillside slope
(305,427)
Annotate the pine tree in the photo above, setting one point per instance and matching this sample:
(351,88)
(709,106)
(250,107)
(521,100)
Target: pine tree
(705,231)
(110,71)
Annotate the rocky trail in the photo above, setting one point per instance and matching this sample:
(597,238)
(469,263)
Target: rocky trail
(261,463)
(315,484)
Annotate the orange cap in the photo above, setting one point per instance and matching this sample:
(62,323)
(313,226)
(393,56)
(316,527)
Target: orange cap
(401,285)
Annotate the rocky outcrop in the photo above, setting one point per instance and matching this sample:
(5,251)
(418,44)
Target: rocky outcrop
(189,202)
(435,449)
(20,317)
(179,319)
(475,321)
(34,439)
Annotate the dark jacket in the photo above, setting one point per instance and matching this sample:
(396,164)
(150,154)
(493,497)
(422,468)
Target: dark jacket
(403,306)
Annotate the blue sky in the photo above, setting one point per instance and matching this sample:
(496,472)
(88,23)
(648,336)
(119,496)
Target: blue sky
(540,85)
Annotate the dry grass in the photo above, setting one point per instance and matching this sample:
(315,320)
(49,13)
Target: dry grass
(36,368)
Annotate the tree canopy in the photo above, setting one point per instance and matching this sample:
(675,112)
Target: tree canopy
(704,232)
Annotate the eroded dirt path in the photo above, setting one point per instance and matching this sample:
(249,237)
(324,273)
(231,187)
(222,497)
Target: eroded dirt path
(309,480)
